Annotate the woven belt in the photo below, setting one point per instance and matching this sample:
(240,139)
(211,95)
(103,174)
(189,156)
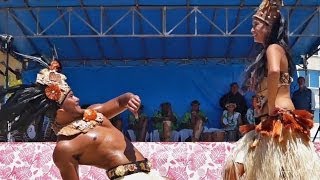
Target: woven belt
(130,168)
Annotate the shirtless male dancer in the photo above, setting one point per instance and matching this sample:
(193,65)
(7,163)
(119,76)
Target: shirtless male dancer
(85,136)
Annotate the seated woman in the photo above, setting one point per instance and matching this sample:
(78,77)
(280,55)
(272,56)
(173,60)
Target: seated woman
(231,120)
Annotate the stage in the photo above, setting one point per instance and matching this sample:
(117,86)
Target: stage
(177,160)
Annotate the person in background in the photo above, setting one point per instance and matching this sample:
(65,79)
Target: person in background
(117,122)
(234,96)
(138,125)
(252,111)
(231,120)
(165,124)
(192,123)
(302,97)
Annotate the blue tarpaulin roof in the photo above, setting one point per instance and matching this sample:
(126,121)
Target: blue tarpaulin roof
(130,30)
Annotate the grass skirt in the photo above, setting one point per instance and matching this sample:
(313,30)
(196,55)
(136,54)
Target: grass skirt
(286,156)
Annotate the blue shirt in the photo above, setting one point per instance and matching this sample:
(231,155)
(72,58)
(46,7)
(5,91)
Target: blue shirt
(301,99)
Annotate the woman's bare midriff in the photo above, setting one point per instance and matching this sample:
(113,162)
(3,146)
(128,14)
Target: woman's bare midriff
(283,99)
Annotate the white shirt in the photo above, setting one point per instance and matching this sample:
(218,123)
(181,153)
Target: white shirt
(231,122)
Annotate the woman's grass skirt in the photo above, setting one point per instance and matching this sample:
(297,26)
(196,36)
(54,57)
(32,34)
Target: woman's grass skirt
(289,156)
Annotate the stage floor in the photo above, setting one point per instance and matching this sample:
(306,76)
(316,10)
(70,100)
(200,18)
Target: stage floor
(176,160)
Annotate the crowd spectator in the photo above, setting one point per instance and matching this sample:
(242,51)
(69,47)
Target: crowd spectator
(251,112)
(117,122)
(231,120)
(192,123)
(165,124)
(138,125)
(234,96)
(301,98)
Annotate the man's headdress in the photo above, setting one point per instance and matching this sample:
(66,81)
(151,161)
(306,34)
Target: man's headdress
(269,11)
(56,86)
(29,102)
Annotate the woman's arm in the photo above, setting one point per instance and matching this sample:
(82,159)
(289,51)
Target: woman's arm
(274,55)
(119,104)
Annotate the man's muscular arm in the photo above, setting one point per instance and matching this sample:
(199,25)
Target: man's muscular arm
(64,160)
(119,104)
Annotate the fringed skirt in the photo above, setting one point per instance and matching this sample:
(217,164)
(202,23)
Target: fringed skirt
(279,148)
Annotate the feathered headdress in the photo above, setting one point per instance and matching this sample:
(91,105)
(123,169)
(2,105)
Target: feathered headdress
(28,102)
(269,11)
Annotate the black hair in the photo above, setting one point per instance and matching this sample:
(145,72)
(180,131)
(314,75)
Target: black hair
(26,103)
(165,104)
(234,83)
(257,70)
(195,102)
(300,77)
(85,106)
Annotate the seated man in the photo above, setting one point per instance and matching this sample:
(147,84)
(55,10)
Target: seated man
(164,123)
(192,123)
(85,136)
(138,126)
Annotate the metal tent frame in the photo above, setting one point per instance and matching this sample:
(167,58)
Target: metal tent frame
(141,22)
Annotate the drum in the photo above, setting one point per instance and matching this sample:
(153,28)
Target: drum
(167,130)
(218,136)
(142,131)
(197,129)
(232,135)
(206,137)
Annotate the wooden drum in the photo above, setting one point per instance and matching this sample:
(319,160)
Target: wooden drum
(197,129)
(166,131)
(218,136)
(206,137)
(232,135)
(142,130)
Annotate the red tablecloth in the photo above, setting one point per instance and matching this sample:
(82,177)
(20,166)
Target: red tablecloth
(176,160)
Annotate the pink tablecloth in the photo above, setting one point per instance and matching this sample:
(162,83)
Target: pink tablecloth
(176,160)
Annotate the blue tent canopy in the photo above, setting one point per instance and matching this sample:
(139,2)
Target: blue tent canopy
(150,30)
(163,50)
